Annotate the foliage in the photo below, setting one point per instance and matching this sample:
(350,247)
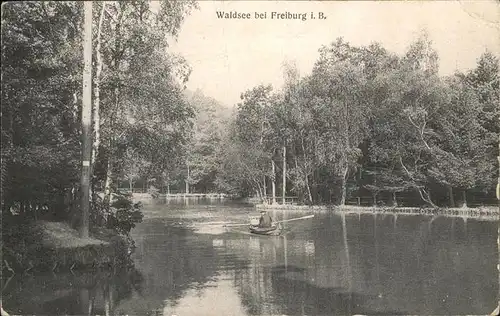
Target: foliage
(40,120)
(144,119)
(125,214)
(202,156)
(363,122)
(122,215)
(368,122)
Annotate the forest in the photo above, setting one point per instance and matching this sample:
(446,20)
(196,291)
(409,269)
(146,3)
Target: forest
(364,125)
(371,127)
(138,115)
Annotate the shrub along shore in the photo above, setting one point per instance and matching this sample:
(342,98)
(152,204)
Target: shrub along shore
(41,246)
(52,243)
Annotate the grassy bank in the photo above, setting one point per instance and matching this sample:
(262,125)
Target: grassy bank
(30,246)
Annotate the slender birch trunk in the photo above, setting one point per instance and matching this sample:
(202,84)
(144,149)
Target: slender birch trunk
(97,88)
(187,180)
(344,187)
(95,108)
(284,175)
(306,176)
(113,118)
(107,182)
(308,190)
(264,189)
(86,120)
(273,183)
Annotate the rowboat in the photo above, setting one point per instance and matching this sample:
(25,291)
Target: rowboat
(274,230)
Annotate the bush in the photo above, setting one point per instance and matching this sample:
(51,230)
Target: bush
(122,215)
(125,213)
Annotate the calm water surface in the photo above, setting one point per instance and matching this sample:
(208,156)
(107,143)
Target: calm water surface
(371,264)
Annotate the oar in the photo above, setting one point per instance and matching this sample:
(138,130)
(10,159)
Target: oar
(231,225)
(286,220)
(295,219)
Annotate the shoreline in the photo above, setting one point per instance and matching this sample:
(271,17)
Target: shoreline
(55,246)
(487,212)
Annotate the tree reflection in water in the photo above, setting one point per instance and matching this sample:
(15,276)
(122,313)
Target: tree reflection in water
(86,293)
(174,261)
(366,264)
(333,264)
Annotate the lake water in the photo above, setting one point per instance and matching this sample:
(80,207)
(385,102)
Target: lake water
(372,264)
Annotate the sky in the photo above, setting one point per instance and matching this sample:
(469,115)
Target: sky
(230,56)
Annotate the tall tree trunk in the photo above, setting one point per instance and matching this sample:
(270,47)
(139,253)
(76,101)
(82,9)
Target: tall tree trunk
(113,117)
(108,183)
(394,201)
(299,191)
(95,108)
(425,195)
(131,186)
(450,196)
(259,190)
(284,176)
(264,189)
(273,183)
(86,120)
(343,192)
(97,90)
(187,180)
(257,193)
(308,190)
(464,198)
(309,196)
(168,188)
(84,301)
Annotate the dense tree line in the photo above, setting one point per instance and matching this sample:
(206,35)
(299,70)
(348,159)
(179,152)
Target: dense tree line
(138,107)
(369,123)
(364,123)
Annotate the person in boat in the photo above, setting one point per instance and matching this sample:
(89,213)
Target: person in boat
(265,220)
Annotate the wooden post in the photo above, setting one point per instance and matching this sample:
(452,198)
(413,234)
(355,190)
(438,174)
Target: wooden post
(86,120)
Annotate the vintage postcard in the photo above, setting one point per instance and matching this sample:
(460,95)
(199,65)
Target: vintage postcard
(238,158)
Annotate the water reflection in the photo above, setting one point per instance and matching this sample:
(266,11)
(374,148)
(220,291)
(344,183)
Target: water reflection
(339,264)
(90,293)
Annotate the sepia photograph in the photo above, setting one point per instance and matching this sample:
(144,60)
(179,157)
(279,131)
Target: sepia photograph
(241,158)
